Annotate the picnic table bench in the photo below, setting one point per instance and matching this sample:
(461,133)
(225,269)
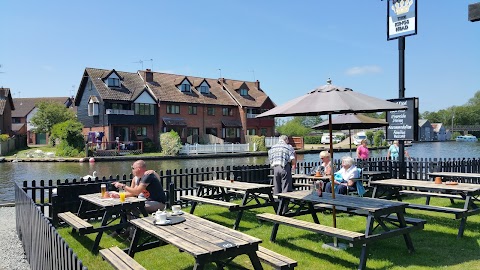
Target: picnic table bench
(375,210)
(392,188)
(277,261)
(119,259)
(219,192)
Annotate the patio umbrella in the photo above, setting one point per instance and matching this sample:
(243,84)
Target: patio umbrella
(327,100)
(352,121)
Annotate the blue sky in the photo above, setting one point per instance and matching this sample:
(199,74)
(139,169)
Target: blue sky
(291,47)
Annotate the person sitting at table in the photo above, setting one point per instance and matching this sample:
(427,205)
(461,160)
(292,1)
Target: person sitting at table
(145,184)
(344,177)
(325,168)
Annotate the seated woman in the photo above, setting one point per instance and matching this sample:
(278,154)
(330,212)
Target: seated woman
(326,167)
(343,178)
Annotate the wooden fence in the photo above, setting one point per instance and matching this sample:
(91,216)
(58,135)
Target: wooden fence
(44,248)
(214,148)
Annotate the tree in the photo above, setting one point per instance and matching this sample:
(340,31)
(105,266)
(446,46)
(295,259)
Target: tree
(170,143)
(50,113)
(294,127)
(70,135)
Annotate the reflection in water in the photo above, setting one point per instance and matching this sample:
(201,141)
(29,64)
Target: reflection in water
(21,171)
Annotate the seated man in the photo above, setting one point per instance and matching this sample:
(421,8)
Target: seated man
(343,178)
(145,184)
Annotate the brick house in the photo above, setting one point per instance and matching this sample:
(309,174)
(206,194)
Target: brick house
(25,109)
(6,108)
(146,103)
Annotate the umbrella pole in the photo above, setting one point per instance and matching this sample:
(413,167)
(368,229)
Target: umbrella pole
(350,138)
(331,163)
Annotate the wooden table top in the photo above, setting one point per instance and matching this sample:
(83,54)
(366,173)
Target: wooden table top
(235,185)
(463,187)
(198,236)
(306,176)
(96,199)
(363,203)
(455,174)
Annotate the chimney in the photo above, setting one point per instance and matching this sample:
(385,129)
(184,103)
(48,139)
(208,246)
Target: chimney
(148,75)
(257,84)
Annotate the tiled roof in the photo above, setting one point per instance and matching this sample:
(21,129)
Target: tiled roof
(23,106)
(131,85)
(17,127)
(164,87)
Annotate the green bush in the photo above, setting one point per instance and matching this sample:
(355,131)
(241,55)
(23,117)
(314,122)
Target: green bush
(71,139)
(4,137)
(312,139)
(148,146)
(170,143)
(65,150)
(259,142)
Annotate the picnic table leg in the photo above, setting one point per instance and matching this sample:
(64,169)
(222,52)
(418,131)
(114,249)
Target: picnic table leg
(463,221)
(240,212)
(312,211)
(364,252)
(106,217)
(272,200)
(374,192)
(198,265)
(282,208)
(406,236)
(255,260)
(133,244)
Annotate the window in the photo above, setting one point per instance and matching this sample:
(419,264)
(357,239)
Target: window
(243,92)
(192,131)
(16,120)
(173,109)
(120,106)
(211,110)
(113,82)
(212,131)
(251,131)
(92,108)
(185,87)
(204,89)
(192,109)
(263,132)
(231,132)
(144,109)
(141,131)
(227,111)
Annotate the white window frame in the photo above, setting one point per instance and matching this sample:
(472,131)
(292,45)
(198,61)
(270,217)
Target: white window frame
(92,108)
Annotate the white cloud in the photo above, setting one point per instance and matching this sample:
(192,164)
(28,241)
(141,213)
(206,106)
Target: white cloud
(363,70)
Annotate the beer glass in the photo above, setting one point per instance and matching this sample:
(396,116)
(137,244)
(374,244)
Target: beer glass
(103,189)
(122,195)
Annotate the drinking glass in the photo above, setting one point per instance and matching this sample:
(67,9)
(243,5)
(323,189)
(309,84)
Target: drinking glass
(103,189)
(122,195)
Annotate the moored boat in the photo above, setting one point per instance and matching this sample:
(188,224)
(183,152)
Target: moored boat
(466,138)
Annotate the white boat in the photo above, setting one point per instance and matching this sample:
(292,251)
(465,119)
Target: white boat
(466,138)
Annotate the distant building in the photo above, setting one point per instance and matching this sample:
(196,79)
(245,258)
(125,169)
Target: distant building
(6,108)
(425,131)
(25,110)
(439,131)
(136,106)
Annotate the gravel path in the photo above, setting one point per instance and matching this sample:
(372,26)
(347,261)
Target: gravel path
(11,249)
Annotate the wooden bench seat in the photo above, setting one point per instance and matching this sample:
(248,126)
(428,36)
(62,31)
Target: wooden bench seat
(277,261)
(408,220)
(119,259)
(459,213)
(352,237)
(242,193)
(430,194)
(229,205)
(77,223)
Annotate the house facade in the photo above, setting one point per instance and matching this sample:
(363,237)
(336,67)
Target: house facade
(135,106)
(439,131)
(425,131)
(26,108)
(6,108)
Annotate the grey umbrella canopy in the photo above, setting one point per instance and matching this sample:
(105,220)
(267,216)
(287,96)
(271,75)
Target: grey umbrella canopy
(352,121)
(330,99)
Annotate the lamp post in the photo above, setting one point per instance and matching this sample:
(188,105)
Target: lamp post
(453,116)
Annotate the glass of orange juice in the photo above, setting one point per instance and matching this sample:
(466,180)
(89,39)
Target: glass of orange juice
(122,196)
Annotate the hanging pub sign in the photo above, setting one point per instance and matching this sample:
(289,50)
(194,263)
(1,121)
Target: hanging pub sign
(401,18)
(403,124)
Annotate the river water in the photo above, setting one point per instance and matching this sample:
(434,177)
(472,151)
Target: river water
(11,172)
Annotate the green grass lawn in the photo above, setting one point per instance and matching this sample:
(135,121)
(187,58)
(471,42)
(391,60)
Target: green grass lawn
(436,246)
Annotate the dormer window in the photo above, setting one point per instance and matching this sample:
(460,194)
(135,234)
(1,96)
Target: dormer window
(93,106)
(244,92)
(185,87)
(204,89)
(113,82)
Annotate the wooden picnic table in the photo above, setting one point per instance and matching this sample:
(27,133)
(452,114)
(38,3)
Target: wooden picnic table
(467,192)
(376,210)
(455,175)
(206,241)
(112,209)
(254,195)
